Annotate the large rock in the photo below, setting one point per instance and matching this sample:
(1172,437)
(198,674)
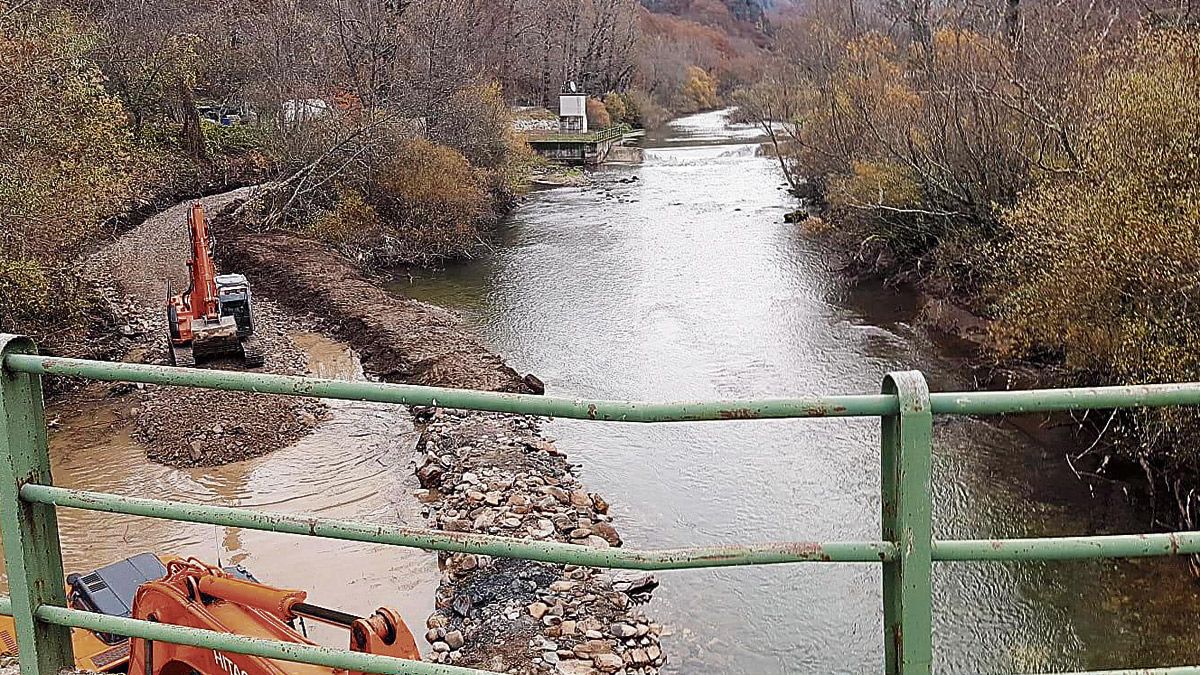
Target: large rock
(622,630)
(607,532)
(575,667)
(608,663)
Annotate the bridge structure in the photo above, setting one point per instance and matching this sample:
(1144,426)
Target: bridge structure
(905,548)
(575,148)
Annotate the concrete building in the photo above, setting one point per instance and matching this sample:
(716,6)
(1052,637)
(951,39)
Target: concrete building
(572,110)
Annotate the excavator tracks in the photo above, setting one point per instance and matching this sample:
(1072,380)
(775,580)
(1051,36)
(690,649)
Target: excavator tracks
(253,352)
(181,356)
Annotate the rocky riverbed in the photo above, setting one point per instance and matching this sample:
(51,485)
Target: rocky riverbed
(496,474)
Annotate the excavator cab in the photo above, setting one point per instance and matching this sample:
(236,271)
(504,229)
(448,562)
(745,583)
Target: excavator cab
(110,589)
(233,295)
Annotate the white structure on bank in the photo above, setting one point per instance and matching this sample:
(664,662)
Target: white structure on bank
(572,111)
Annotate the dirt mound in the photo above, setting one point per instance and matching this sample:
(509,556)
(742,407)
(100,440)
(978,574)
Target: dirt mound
(202,427)
(399,339)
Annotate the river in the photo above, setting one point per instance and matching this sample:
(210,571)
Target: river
(678,279)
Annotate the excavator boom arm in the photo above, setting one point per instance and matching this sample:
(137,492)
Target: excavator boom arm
(200,596)
(203,291)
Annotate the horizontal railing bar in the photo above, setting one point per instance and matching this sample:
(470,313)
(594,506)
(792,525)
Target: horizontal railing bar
(1168,670)
(179,634)
(1069,548)
(438,540)
(240,644)
(1076,398)
(872,405)
(856,405)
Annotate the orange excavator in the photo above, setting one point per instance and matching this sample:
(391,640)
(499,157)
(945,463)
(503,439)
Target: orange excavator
(188,592)
(214,317)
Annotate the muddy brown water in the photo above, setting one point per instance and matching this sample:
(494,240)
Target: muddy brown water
(356,465)
(686,283)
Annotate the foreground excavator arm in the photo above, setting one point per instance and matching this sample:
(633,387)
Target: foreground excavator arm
(197,595)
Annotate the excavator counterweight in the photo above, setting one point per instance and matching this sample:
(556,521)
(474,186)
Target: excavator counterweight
(214,317)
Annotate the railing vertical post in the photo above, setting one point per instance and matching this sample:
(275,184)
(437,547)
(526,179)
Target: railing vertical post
(907,440)
(29,531)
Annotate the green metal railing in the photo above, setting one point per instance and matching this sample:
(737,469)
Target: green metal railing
(599,136)
(906,548)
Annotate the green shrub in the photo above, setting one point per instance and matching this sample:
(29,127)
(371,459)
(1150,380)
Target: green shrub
(54,305)
(237,139)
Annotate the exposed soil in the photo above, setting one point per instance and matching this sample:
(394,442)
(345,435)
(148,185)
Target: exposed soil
(399,339)
(190,427)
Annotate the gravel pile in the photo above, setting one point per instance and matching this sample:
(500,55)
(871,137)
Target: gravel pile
(496,474)
(201,427)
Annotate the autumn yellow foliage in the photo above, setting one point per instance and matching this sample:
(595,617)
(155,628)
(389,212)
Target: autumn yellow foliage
(424,203)
(879,184)
(1102,268)
(351,224)
(68,164)
(700,88)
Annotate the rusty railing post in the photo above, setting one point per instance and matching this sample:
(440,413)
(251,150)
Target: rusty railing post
(906,448)
(29,531)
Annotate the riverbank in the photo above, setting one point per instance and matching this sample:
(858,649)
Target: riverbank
(1101,449)
(497,474)
(399,340)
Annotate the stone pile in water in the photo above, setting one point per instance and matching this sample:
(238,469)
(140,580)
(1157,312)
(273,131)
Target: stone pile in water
(495,474)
